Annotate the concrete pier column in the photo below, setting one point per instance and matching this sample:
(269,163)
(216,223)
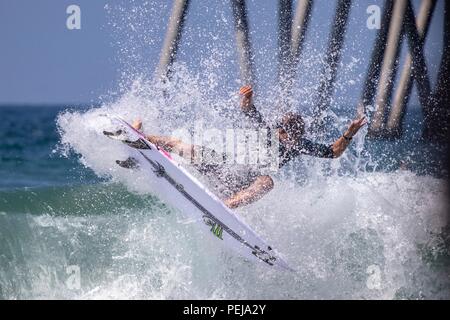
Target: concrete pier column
(390,62)
(299,27)
(332,58)
(437,117)
(376,60)
(172,38)
(413,68)
(243,41)
(284,39)
(289,62)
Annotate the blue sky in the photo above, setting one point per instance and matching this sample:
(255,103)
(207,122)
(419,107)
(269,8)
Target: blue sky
(42,62)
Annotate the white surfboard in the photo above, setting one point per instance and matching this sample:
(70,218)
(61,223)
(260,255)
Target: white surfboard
(187,194)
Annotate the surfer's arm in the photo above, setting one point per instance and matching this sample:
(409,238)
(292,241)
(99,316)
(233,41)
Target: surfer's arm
(261,186)
(342,143)
(248,108)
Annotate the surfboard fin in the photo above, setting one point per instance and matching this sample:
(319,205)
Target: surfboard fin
(112,134)
(130,163)
(121,136)
(138,144)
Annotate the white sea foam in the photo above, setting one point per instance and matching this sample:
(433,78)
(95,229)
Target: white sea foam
(358,235)
(349,232)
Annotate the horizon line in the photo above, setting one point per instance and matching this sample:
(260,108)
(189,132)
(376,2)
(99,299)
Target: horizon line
(51,104)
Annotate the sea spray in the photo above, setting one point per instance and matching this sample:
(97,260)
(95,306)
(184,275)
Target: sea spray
(350,233)
(354,227)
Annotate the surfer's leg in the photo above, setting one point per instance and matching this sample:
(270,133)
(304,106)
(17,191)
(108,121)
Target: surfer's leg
(175,145)
(194,153)
(171,144)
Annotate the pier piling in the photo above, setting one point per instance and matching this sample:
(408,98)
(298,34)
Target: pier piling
(389,67)
(398,21)
(437,117)
(376,60)
(172,38)
(243,42)
(413,68)
(332,58)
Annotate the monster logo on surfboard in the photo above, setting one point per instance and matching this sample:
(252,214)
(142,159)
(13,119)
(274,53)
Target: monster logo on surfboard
(184,192)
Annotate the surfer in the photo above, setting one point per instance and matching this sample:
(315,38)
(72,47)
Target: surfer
(247,186)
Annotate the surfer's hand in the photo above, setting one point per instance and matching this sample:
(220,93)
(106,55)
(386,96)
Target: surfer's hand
(246,93)
(231,203)
(137,124)
(355,125)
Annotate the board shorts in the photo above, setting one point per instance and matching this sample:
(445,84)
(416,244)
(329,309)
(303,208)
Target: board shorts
(225,179)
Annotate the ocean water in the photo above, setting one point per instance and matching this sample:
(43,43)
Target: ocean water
(370,225)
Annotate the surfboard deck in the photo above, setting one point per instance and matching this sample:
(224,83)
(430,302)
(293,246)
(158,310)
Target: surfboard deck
(184,192)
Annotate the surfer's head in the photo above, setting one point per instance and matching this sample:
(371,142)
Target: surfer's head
(291,127)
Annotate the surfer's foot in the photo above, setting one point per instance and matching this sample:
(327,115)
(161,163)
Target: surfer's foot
(112,134)
(130,163)
(137,124)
